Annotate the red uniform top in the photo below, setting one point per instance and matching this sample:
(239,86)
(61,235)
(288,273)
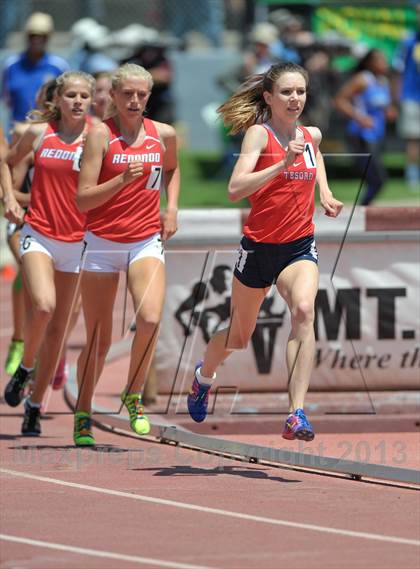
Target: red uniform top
(133,214)
(53,211)
(282,209)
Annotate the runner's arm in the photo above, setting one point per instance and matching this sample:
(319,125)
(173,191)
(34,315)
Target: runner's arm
(12,210)
(90,194)
(172,180)
(18,177)
(26,144)
(244,181)
(331,206)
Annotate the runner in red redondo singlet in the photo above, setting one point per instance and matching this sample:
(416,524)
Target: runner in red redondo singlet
(22,179)
(127,160)
(277,169)
(52,237)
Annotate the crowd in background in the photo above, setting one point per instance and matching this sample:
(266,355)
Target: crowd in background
(285,36)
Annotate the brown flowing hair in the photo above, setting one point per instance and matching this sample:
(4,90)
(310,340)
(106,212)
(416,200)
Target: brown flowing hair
(247,106)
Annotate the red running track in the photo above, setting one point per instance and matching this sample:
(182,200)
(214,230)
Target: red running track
(135,502)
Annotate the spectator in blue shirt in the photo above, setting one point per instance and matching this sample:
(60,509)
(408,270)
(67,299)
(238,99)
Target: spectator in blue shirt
(24,74)
(408,64)
(366,100)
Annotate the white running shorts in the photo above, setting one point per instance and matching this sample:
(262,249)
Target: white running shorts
(66,256)
(106,256)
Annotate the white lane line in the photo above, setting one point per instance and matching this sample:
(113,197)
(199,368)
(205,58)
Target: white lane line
(149,561)
(217,511)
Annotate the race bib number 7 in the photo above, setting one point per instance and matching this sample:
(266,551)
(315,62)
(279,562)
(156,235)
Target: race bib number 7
(155,178)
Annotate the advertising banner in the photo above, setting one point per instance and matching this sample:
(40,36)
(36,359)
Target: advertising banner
(366,325)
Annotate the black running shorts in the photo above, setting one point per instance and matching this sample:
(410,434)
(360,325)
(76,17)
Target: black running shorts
(259,264)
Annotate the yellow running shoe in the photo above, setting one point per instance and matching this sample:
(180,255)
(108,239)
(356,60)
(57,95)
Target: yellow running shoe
(82,434)
(14,356)
(139,422)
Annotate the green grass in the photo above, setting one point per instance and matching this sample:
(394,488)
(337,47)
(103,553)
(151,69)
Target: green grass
(200,184)
(395,190)
(204,185)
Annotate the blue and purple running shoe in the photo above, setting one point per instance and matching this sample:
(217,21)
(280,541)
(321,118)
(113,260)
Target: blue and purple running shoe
(297,426)
(198,398)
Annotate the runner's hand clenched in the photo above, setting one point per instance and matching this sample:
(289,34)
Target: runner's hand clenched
(133,171)
(13,212)
(295,147)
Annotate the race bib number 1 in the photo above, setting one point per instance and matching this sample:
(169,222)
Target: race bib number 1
(309,155)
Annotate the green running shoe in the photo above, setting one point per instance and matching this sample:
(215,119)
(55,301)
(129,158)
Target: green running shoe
(82,434)
(14,356)
(139,422)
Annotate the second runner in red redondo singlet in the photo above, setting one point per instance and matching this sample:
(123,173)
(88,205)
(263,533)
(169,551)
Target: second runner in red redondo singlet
(52,237)
(128,160)
(132,214)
